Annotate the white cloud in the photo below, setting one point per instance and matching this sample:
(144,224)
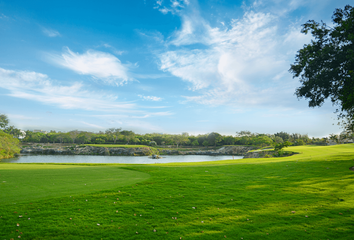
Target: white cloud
(100,65)
(172,6)
(40,88)
(150,98)
(242,64)
(51,32)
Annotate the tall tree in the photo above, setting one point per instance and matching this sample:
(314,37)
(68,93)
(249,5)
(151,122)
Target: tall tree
(113,133)
(214,138)
(73,134)
(128,135)
(326,65)
(178,139)
(4,121)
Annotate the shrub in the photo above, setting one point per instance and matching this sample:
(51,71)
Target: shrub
(99,141)
(9,146)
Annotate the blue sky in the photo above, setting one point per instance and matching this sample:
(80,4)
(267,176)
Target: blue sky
(166,66)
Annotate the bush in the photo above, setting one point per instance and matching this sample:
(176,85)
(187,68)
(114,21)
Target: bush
(99,141)
(9,146)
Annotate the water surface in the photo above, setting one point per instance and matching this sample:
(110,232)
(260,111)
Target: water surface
(115,159)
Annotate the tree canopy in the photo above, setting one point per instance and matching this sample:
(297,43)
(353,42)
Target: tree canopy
(4,121)
(9,146)
(326,65)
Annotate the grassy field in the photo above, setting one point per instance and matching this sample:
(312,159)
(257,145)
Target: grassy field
(305,196)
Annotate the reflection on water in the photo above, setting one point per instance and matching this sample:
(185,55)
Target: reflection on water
(114,159)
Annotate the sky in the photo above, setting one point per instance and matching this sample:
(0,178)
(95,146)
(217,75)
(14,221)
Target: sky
(158,66)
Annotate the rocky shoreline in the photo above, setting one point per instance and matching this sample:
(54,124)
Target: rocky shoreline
(139,151)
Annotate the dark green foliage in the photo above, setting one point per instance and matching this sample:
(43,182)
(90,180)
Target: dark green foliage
(195,143)
(280,146)
(214,138)
(9,146)
(4,121)
(99,141)
(326,65)
(163,140)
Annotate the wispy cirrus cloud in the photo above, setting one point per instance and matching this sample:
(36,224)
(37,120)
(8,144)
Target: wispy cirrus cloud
(150,98)
(3,16)
(100,65)
(239,64)
(172,6)
(115,51)
(50,32)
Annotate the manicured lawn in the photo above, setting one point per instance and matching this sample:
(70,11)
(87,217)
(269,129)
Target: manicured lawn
(305,196)
(30,182)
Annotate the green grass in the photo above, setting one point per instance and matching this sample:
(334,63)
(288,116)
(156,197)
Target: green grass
(239,199)
(30,182)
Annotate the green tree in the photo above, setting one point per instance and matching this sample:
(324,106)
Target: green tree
(285,136)
(280,146)
(9,146)
(4,121)
(84,137)
(99,141)
(73,134)
(229,140)
(278,139)
(245,140)
(299,142)
(113,133)
(13,131)
(61,137)
(262,141)
(52,137)
(195,143)
(326,65)
(214,138)
(178,139)
(44,139)
(206,143)
(128,135)
(334,137)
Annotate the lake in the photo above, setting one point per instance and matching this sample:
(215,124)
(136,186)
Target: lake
(115,159)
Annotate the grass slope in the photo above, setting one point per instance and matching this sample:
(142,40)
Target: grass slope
(305,196)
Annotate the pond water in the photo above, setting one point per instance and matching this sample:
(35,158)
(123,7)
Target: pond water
(115,159)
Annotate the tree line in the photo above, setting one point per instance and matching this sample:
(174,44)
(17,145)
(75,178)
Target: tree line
(119,136)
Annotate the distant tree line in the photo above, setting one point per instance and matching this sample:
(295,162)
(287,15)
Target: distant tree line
(119,136)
